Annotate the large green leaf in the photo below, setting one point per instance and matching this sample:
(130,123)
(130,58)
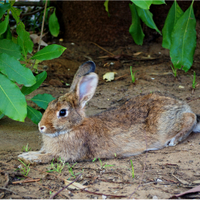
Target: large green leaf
(4,25)
(24,39)
(144,4)
(15,71)
(39,80)
(158,2)
(34,115)
(42,100)
(147,18)
(54,26)
(15,13)
(1,115)
(10,48)
(3,8)
(135,29)
(174,14)
(49,52)
(184,40)
(12,101)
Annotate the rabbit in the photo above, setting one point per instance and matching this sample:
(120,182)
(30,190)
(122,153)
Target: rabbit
(146,122)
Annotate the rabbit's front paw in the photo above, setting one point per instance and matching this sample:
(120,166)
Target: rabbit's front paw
(34,157)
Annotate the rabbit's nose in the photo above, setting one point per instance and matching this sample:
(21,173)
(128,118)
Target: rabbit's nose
(42,129)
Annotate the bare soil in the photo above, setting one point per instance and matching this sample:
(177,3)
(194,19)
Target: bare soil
(158,174)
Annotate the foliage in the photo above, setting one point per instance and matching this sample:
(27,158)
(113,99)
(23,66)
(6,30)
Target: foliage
(194,83)
(179,34)
(102,166)
(26,148)
(25,169)
(132,169)
(12,73)
(57,167)
(174,70)
(133,74)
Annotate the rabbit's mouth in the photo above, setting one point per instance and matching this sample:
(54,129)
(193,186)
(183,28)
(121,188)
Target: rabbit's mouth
(56,134)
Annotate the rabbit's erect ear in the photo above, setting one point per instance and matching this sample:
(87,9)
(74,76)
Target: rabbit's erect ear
(86,88)
(84,69)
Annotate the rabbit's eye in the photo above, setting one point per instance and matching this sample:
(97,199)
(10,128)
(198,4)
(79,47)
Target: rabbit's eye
(63,113)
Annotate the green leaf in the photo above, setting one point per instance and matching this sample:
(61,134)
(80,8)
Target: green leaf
(184,40)
(144,4)
(135,29)
(34,115)
(1,115)
(10,48)
(106,7)
(174,14)
(158,2)
(12,101)
(39,80)
(8,34)
(147,18)
(3,8)
(49,52)
(24,39)
(15,13)
(42,100)
(4,25)
(15,71)
(54,26)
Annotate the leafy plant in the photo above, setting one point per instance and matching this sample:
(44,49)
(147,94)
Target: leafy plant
(12,73)
(194,83)
(133,75)
(57,167)
(70,169)
(179,33)
(102,166)
(133,173)
(25,148)
(174,70)
(24,170)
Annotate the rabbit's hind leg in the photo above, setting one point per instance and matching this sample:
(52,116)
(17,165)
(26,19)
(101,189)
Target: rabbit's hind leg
(188,123)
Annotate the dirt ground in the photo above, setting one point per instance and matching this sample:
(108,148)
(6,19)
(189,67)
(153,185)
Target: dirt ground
(158,174)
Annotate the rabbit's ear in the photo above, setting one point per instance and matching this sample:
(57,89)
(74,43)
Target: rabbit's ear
(84,69)
(86,88)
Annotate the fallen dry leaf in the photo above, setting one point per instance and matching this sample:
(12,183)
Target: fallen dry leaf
(74,185)
(109,76)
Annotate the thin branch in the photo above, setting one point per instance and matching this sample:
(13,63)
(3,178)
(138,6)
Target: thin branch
(31,13)
(103,49)
(3,188)
(42,29)
(52,196)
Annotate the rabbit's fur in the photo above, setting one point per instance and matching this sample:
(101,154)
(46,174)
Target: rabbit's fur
(146,122)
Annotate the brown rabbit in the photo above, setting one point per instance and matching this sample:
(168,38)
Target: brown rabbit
(146,122)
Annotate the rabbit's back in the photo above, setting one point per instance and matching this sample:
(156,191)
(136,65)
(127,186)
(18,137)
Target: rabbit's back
(146,122)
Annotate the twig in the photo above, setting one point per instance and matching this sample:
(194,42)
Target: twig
(121,77)
(31,13)
(28,180)
(193,99)
(143,169)
(3,188)
(7,180)
(42,29)
(108,195)
(103,49)
(52,196)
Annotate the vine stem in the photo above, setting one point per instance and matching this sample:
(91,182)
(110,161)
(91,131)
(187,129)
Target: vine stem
(42,28)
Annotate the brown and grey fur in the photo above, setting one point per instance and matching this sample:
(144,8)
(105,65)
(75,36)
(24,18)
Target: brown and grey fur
(146,122)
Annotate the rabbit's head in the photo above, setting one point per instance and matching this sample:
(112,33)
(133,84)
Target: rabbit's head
(67,111)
